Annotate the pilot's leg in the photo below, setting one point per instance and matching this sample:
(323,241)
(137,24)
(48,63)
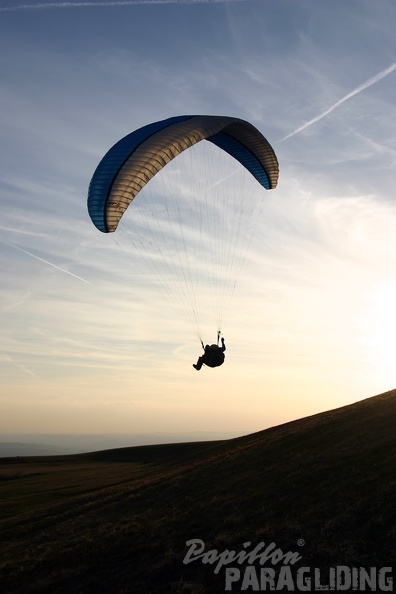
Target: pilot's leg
(199,363)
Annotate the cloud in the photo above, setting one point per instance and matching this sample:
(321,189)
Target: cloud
(49,5)
(7,360)
(45,261)
(368,83)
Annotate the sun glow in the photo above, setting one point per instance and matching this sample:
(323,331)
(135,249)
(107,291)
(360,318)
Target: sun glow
(384,323)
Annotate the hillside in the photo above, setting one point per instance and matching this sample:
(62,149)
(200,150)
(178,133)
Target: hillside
(118,521)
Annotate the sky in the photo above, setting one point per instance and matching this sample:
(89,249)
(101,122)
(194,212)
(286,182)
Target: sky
(87,344)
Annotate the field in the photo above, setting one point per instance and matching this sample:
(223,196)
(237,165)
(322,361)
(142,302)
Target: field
(117,521)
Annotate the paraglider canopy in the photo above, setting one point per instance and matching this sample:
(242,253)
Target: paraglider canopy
(133,161)
(186,222)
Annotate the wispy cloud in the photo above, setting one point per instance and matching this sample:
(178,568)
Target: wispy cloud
(368,83)
(4,358)
(49,5)
(45,261)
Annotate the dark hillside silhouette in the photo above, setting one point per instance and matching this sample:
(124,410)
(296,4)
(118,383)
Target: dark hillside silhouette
(118,520)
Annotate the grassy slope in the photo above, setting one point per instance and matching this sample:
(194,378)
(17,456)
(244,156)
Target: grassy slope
(117,521)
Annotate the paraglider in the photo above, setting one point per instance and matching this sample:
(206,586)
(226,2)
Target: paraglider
(192,239)
(213,355)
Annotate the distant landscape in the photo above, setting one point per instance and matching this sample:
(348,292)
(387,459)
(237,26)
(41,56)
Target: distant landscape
(322,489)
(48,444)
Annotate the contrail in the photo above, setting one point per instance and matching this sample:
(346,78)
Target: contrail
(45,261)
(371,81)
(85,4)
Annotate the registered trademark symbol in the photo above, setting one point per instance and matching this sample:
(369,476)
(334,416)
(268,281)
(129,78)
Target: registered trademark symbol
(301,542)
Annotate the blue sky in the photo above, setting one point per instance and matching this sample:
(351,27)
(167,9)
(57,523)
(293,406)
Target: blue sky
(87,346)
